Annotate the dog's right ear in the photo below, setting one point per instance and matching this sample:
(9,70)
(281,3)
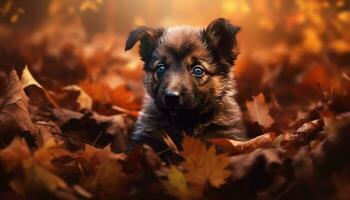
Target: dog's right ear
(220,35)
(147,37)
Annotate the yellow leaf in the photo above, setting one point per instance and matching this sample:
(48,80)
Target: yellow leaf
(203,165)
(37,183)
(177,184)
(27,80)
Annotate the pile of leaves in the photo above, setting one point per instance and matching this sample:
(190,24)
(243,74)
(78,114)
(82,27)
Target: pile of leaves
(58,153)
(69,99)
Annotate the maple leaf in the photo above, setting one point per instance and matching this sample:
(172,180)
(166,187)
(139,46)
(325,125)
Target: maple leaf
(37,183)
(202,164)
(176,184)
(110,181)
(258,110)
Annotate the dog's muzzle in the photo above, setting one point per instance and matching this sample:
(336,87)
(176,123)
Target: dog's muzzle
(172,99)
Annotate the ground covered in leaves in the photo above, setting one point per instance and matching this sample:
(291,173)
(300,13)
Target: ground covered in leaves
(69,98)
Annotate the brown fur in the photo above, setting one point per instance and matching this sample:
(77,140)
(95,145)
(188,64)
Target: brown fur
(208,108)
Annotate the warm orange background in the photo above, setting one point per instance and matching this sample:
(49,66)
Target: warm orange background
(290,49)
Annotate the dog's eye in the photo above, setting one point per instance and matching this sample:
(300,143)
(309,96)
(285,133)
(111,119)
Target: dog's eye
(160,70)
(198,71)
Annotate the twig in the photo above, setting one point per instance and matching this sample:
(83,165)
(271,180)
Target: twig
(268,139)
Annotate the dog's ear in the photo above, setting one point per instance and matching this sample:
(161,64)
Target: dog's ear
(220,36)
(147,37)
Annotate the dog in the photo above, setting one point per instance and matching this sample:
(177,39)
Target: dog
(189,83)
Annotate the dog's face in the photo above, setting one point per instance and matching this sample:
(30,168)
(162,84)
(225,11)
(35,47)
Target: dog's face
(186,68)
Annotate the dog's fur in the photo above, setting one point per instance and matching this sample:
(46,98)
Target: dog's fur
(208,108)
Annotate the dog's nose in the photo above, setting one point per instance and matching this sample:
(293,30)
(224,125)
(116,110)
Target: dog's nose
(172,98)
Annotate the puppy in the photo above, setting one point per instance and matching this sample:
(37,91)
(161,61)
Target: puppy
(189,83)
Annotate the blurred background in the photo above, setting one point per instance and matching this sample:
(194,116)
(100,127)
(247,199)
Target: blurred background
(293,51)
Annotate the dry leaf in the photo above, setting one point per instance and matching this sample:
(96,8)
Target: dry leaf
(28,80)
(13,155)
(176,184)
(259,111)
(103,93)
(202,164)
(238,147)
(14,115)
(110,182)
(49,151)
(80,97)
(37,183)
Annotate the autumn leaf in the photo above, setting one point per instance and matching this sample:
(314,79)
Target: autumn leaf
(98,155)
(176,184)
(202,164)
(27,81)
(238,147)
(13,155)
(103,93)
(49,151)
(110,181)
(94,129)
(258,111)
(76,95)
(14,115)
(38,183)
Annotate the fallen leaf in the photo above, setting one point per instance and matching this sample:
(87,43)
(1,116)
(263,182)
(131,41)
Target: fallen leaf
(37,183)
(13,155)
(49,151)
(78,96)
(103,93)
(238,147)
(28,81)
(176,184)
(110,181)
(259,111)
(14,115)
(202,164)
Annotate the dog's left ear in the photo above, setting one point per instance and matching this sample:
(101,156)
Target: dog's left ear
(148,38)
(220,36)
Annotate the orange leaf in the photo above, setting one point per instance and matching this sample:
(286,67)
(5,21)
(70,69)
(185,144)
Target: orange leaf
(258,110)
(203,164)
(238,147)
